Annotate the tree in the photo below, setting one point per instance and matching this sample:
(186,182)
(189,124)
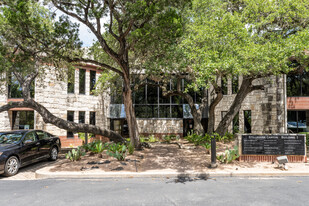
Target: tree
(129,23)
(223,38)
(30,39)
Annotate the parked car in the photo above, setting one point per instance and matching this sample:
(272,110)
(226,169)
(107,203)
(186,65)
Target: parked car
(23,147)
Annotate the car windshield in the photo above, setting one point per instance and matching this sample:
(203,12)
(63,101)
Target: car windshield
(10,138)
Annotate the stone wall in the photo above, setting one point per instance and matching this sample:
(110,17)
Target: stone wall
(52,93)
(159,127)
(4,116)
(267,106)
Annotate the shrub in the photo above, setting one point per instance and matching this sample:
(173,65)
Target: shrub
(229,155)
(152,139)
(75,155)
(130,149)
(92,146)
(118,151)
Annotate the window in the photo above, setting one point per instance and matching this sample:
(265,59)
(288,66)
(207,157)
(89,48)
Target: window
(247,121)
(298,84)
(26,119)
(92,118)
(29,137)
(15,90)
(236,123)
(235,84)
(81,117)
(82,81)
(42,135)
(71,80)
(70,117)
(92,81)
(297,121)
(224,85)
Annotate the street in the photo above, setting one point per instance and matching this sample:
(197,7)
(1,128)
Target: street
(156,191)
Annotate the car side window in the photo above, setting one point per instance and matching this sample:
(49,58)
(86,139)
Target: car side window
(42,135)
(29,136)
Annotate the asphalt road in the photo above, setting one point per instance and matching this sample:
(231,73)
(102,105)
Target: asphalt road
(161,191)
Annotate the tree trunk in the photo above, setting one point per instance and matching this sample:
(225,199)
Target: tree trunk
(130,114)
(63,124)
(245,88)
(212,108)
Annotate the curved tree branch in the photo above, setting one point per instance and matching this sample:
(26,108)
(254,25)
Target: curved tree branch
(63,124)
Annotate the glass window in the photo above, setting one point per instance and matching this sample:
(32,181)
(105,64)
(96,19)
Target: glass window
(224,85)
(140,93)
(236,123)
(29,136)
(247,121)
(82,81)
(81,117)
(177,111)
(42,135)
(71,80)
(26,119)
(297,121)
(298,84)
(92,81)
(70,117)
(165,111)
(142,111)
(15,90)
(92,118)
(235,82)
(152,92)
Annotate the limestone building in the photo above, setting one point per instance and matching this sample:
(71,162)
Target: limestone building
(276,109)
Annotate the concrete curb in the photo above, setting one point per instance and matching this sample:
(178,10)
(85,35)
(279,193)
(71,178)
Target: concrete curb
(45,173)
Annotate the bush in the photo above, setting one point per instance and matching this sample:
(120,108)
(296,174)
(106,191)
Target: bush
(130,149)
(119,151)
(75,155)
(92,146)
(201,140)
(229,155)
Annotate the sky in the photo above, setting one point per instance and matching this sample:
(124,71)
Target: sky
(85,34)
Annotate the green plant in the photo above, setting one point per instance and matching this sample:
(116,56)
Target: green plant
(92,146)
(75,155)
(118,151)
(167,138)
(152,139)
(99,148)
(229,155)
(206,145)
(130,149)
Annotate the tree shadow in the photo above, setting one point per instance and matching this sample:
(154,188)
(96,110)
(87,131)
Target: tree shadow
(183,178)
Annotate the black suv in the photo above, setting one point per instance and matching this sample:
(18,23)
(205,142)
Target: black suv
(23,147)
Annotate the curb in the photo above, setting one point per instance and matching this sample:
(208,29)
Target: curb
(44,173)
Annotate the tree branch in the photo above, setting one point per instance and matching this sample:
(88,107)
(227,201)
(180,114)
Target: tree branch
(63,124)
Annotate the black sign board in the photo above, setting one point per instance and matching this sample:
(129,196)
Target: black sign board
(273,144)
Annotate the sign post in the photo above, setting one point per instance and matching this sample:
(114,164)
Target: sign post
(213,152)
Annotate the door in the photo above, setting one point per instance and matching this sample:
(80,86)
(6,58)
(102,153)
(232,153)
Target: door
(30,148)
(45,143)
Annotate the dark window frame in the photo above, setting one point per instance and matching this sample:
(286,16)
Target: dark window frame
(92,118)
(82,81)
(92,83)
(70,135)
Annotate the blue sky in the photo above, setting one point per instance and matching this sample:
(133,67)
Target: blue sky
(85,34)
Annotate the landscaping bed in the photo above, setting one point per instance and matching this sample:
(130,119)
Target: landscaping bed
(158,156)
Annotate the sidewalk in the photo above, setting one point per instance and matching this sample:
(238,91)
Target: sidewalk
(254,170)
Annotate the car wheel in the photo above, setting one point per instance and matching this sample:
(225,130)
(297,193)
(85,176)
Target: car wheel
(53,154)
(11,166)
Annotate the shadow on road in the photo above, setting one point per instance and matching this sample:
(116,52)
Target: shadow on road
(183,178)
